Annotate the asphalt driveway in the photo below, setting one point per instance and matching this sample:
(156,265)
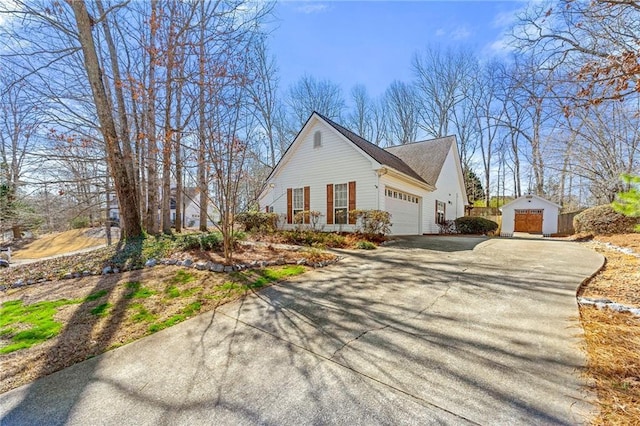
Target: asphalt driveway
(444,330)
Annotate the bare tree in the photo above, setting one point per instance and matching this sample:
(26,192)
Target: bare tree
(440,79)
(360,119)
(19,126)
(308,95)
(401,111)
(597,40)
(124,183)
(263,94)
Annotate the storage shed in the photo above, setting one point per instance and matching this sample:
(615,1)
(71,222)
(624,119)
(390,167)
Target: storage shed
(531,214)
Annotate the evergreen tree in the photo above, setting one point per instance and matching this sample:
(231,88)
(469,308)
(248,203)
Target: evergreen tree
(473,185)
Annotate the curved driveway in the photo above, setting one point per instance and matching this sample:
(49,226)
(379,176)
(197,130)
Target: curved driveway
(445,330)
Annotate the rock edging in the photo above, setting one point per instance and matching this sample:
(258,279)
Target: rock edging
(608,304)
(187,263)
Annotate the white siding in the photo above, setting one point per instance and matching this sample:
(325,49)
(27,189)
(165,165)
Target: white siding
(549,214)
(336,161)
(449,189)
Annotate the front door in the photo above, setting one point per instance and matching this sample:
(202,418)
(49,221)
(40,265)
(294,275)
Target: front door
(529,221)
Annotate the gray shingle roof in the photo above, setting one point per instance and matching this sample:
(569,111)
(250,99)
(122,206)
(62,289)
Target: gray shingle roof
(426,158)
(382,156)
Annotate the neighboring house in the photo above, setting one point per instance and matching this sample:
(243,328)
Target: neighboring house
(332,170)
(531,214)
(190,209)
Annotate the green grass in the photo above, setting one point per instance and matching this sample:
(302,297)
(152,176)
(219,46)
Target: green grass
(182,277)
(95,296)
(172,291)
(101,310)
(137,291)
(142,314)
(188,311)
(39,316)
(272,275)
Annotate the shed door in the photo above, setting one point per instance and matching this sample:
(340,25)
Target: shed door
(528,221)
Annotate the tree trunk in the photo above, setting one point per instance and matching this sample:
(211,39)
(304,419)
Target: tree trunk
(152,165)
(124,183)
(202,167)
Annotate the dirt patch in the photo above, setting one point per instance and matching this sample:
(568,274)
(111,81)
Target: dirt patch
(61,243)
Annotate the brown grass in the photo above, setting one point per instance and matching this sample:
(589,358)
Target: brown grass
(613,347)
(613,339)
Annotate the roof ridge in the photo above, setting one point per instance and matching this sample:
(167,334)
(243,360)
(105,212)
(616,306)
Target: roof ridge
(422,141)
(357,140)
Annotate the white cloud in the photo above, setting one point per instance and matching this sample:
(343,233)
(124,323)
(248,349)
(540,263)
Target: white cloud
(312,8)
(461,33)
(440,32)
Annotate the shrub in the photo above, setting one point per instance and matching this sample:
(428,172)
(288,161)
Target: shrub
(80,222)
(603,220)
(447,227)
(313,238)
(307,217)
(208,241)
(372,222)
(258,221)
(475,225)
(365,245)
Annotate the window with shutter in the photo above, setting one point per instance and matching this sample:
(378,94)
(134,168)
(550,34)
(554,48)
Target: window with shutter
(340,203)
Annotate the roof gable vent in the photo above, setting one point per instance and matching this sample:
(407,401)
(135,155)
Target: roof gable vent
(317,139)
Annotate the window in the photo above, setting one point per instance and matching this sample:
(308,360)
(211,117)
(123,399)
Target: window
(317,139)
(440,211)
(340,206)
(298,200)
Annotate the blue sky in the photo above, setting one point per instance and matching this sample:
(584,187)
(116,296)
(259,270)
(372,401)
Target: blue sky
(372,42)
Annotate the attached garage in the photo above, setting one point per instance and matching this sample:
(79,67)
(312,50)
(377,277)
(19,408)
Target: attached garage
(530,214)
(405,212)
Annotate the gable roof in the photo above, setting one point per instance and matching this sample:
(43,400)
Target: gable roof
(382,156)
(544,200)
(426,157)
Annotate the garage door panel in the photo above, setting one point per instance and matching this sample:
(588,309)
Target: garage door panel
(405,216)
(528,221)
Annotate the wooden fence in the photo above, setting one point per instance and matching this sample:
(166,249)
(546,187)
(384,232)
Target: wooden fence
(565,223)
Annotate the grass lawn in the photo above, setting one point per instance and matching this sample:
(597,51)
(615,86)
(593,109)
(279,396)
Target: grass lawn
(45,328)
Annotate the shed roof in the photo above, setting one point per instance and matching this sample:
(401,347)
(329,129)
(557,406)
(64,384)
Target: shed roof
(544,200)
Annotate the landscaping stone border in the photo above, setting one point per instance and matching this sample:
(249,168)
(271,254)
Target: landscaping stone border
(187,263)
(608,304)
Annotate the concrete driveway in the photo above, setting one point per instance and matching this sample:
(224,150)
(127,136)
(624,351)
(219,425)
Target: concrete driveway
(430,330)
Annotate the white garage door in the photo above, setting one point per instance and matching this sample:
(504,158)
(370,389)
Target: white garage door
(405,212)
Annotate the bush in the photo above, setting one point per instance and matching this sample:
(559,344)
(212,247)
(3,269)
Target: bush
(372,222)
(258,221)
(603,220)
(208,241)
(313,238)
(365,245)
(447,227)
(475,225)
(79,222)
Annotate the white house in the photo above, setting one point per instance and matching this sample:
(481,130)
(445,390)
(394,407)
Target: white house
(531,214)
(190,209)
(332,170)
